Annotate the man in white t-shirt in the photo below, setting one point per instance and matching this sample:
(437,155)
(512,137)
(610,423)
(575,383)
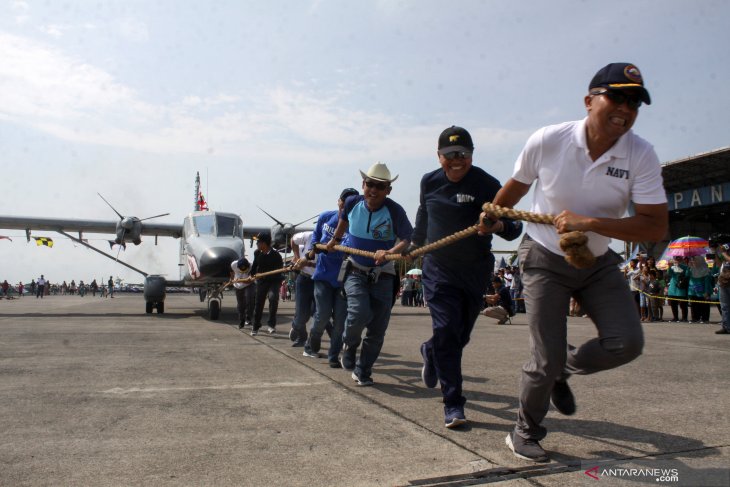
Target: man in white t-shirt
(41,287)
(586,173)
(245,297)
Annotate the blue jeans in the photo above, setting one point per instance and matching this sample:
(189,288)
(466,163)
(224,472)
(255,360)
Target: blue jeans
(368,306)
(303,305)
(330,303)
(725,306)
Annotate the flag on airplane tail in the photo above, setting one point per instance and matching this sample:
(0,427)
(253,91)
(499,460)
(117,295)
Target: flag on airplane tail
(4,237)
(47,241)
(112,243)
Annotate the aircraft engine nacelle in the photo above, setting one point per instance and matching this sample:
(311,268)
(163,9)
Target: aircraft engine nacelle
(280,236)
(154,289)
(129,229)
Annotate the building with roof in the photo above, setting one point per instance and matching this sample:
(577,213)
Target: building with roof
(698,194)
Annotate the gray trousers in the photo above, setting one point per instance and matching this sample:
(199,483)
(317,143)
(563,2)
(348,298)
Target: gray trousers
(549,282)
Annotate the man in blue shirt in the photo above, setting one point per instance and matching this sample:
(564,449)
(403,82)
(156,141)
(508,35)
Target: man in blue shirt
(327,289)
(376,224)
(455,277)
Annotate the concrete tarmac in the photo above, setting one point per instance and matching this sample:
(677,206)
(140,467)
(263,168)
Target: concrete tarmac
(95,392)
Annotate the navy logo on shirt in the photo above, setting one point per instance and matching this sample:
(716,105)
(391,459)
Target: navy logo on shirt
(618,173)
(464,198)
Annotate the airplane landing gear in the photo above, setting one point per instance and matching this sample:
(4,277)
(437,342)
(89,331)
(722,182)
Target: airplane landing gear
(214,309)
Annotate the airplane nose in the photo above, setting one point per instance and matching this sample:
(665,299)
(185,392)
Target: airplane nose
(216,262)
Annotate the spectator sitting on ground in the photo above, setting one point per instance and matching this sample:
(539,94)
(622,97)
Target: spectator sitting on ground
(500,303)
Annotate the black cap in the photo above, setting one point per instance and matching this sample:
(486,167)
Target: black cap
(243,263)
(455,139)
(621,76)
(347,192)
(264,237)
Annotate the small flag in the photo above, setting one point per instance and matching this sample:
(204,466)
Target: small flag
(201,202)
(4,237)
(48,242)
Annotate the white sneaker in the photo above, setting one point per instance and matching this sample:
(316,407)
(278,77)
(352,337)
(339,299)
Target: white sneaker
(271,330)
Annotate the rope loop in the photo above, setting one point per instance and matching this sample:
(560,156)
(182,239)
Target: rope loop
(574,244)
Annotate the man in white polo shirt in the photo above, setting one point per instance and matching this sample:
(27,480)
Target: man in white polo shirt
(586,172)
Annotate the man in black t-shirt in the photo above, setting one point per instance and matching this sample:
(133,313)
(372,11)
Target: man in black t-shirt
(265,259)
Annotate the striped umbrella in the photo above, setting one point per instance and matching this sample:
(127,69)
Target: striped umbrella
(688,247)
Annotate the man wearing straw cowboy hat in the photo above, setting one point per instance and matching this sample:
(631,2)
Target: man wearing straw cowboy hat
(455,277)
(586,172)
(373,223)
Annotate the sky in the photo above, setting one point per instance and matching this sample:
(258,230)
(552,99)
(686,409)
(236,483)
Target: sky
(279,104)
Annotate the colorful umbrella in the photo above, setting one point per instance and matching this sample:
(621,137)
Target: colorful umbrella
(688,247)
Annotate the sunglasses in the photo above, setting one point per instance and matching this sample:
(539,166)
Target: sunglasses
(619,98)
(459,154)
(377,185)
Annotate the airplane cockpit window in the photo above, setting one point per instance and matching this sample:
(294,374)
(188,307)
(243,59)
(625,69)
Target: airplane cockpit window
(227,226)
(205,224)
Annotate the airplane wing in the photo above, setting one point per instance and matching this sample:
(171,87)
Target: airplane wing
(85,226)
(251,232)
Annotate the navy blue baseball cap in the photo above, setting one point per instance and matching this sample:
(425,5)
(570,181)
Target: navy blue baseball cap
(264,237)
(347,192)
(621,76)
(455,139)
(243,263)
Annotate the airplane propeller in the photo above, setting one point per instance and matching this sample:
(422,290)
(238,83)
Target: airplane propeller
(128,224)
(286,228)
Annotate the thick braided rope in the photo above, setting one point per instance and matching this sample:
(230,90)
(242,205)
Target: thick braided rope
(462,234)
(513,214)
(574,244)
(261,275)
(361,253)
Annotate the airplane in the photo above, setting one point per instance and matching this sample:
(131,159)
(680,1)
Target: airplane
(209,242)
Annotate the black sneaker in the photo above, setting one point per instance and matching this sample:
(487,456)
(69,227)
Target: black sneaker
(562,398)
(722,331)
(254,332)
(428,372)
(349,355)
(240,326)
(335,364)
(362,381)
(454,416)
(299,343)
(293,335)
(525,449)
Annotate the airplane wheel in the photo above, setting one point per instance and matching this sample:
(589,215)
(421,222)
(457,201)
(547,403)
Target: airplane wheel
(214,309)
(148,307)
(160,307)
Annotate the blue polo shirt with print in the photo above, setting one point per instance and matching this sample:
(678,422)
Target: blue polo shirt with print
(374,230)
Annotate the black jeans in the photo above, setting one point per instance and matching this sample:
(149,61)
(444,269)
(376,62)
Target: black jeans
(266,289)
(245,300)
